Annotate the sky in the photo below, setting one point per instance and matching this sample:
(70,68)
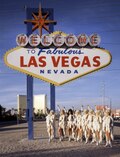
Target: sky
(78,16)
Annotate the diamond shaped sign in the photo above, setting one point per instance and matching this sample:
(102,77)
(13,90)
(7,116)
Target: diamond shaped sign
(57,65)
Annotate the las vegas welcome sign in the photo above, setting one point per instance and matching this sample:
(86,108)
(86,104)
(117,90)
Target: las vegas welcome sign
(58,57)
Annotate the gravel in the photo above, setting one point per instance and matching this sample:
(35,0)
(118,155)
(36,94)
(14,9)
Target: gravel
(14,143)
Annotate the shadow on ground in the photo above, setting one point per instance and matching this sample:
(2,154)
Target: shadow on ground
(11,123)
(13,128)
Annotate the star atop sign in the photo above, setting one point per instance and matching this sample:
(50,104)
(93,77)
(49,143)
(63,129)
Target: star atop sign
(40,22)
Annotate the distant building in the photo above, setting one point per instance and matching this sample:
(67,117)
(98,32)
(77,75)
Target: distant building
(101,107)
(39,103)
(116,114)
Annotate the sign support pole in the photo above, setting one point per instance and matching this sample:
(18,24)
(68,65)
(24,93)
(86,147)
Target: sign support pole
(29,87)
(52,87)
(30,106)
(52,97)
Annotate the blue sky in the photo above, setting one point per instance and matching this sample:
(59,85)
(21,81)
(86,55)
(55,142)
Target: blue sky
(78,16)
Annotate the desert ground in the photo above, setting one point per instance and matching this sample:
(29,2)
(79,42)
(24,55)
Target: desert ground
(14,143)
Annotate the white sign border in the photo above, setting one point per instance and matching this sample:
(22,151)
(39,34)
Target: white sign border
(48,80)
